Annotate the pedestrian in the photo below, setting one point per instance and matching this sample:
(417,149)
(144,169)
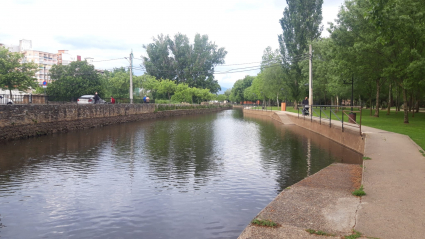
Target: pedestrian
(305,105)
(112,100)
(96,98)
(305,101)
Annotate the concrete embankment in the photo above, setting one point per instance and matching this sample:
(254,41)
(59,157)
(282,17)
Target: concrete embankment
(393,179)
(349,137)
(22,121)
(322,202)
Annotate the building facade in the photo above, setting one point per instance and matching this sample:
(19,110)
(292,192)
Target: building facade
(45,60)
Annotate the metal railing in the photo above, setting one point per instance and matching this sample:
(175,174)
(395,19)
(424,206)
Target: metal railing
(319,110)
(262,107)
(22,99)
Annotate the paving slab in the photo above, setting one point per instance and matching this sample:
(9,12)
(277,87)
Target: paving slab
(322,201)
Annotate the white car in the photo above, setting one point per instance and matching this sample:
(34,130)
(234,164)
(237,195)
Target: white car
(88,99)
(4,101)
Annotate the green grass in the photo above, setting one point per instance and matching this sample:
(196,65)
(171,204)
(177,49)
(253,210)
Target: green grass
(355,235)
(359,192)
(366,158)
(266,223)
(320,233)
(393,122)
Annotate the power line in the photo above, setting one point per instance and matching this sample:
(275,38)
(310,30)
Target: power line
(110,59)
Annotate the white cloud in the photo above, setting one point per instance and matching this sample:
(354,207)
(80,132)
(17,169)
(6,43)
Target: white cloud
(110,29)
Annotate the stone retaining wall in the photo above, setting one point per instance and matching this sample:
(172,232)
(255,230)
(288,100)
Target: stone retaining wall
(22,121)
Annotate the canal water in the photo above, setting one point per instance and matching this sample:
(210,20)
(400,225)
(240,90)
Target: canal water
(203,176)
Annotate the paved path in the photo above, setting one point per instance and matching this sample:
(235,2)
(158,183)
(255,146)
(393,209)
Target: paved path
(394,181)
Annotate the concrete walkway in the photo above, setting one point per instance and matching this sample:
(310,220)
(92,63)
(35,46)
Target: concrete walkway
(394,205)
(394,181)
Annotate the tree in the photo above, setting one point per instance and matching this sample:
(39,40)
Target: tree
(166,87)
(74,80)
(178,60)
(14,74)
(183,93)
(273,73)
(300,24)
(237,92)
(221,97)
(400,26)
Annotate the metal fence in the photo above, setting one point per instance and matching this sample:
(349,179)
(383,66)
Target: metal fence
(22,99)
(320,112)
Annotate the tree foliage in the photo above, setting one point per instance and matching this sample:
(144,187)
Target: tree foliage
(180,61)
(300,25)
(74,80)
(14,74)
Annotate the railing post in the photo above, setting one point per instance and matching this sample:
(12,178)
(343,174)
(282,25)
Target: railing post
(311,116)
(330,116)
(298,112)
(360,121)
(342,121)
(321,114)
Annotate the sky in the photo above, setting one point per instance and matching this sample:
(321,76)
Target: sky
(110,29)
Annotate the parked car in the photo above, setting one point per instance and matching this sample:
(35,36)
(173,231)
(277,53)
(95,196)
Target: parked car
(4,101)
(88,99)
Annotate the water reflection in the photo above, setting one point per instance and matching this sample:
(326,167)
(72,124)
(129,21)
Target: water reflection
(199,176)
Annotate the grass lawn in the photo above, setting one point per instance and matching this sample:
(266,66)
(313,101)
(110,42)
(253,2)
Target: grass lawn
(393,122)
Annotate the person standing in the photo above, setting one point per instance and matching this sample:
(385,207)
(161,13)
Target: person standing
(305,101)
(112,100)
(96,98)
(305,105)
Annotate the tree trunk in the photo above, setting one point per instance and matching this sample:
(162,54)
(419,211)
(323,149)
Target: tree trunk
(377,98)
(337,102)
(397,97)
(277,99)
(413,106)
(295,105)
(10,91)
(169,98)
(410,102)
(360,101)
(417,106)
(370,103)
(406,112)
(389,100)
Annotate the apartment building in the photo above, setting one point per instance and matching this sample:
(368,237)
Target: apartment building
(45,61)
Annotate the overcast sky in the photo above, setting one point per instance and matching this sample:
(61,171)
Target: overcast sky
(109,29)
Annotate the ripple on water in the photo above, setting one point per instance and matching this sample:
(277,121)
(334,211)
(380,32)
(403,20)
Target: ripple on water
(200,176)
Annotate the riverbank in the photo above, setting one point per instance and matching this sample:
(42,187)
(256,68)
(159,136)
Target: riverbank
(393,181)
(321,202)
(23,121)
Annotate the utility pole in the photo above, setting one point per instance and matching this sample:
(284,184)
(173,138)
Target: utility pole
(131,77)
(310,80)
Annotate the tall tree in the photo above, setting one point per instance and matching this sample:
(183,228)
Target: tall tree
(301,24)
(400,26)
(14,74)
(179,60)
(74,80)
(273,74)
